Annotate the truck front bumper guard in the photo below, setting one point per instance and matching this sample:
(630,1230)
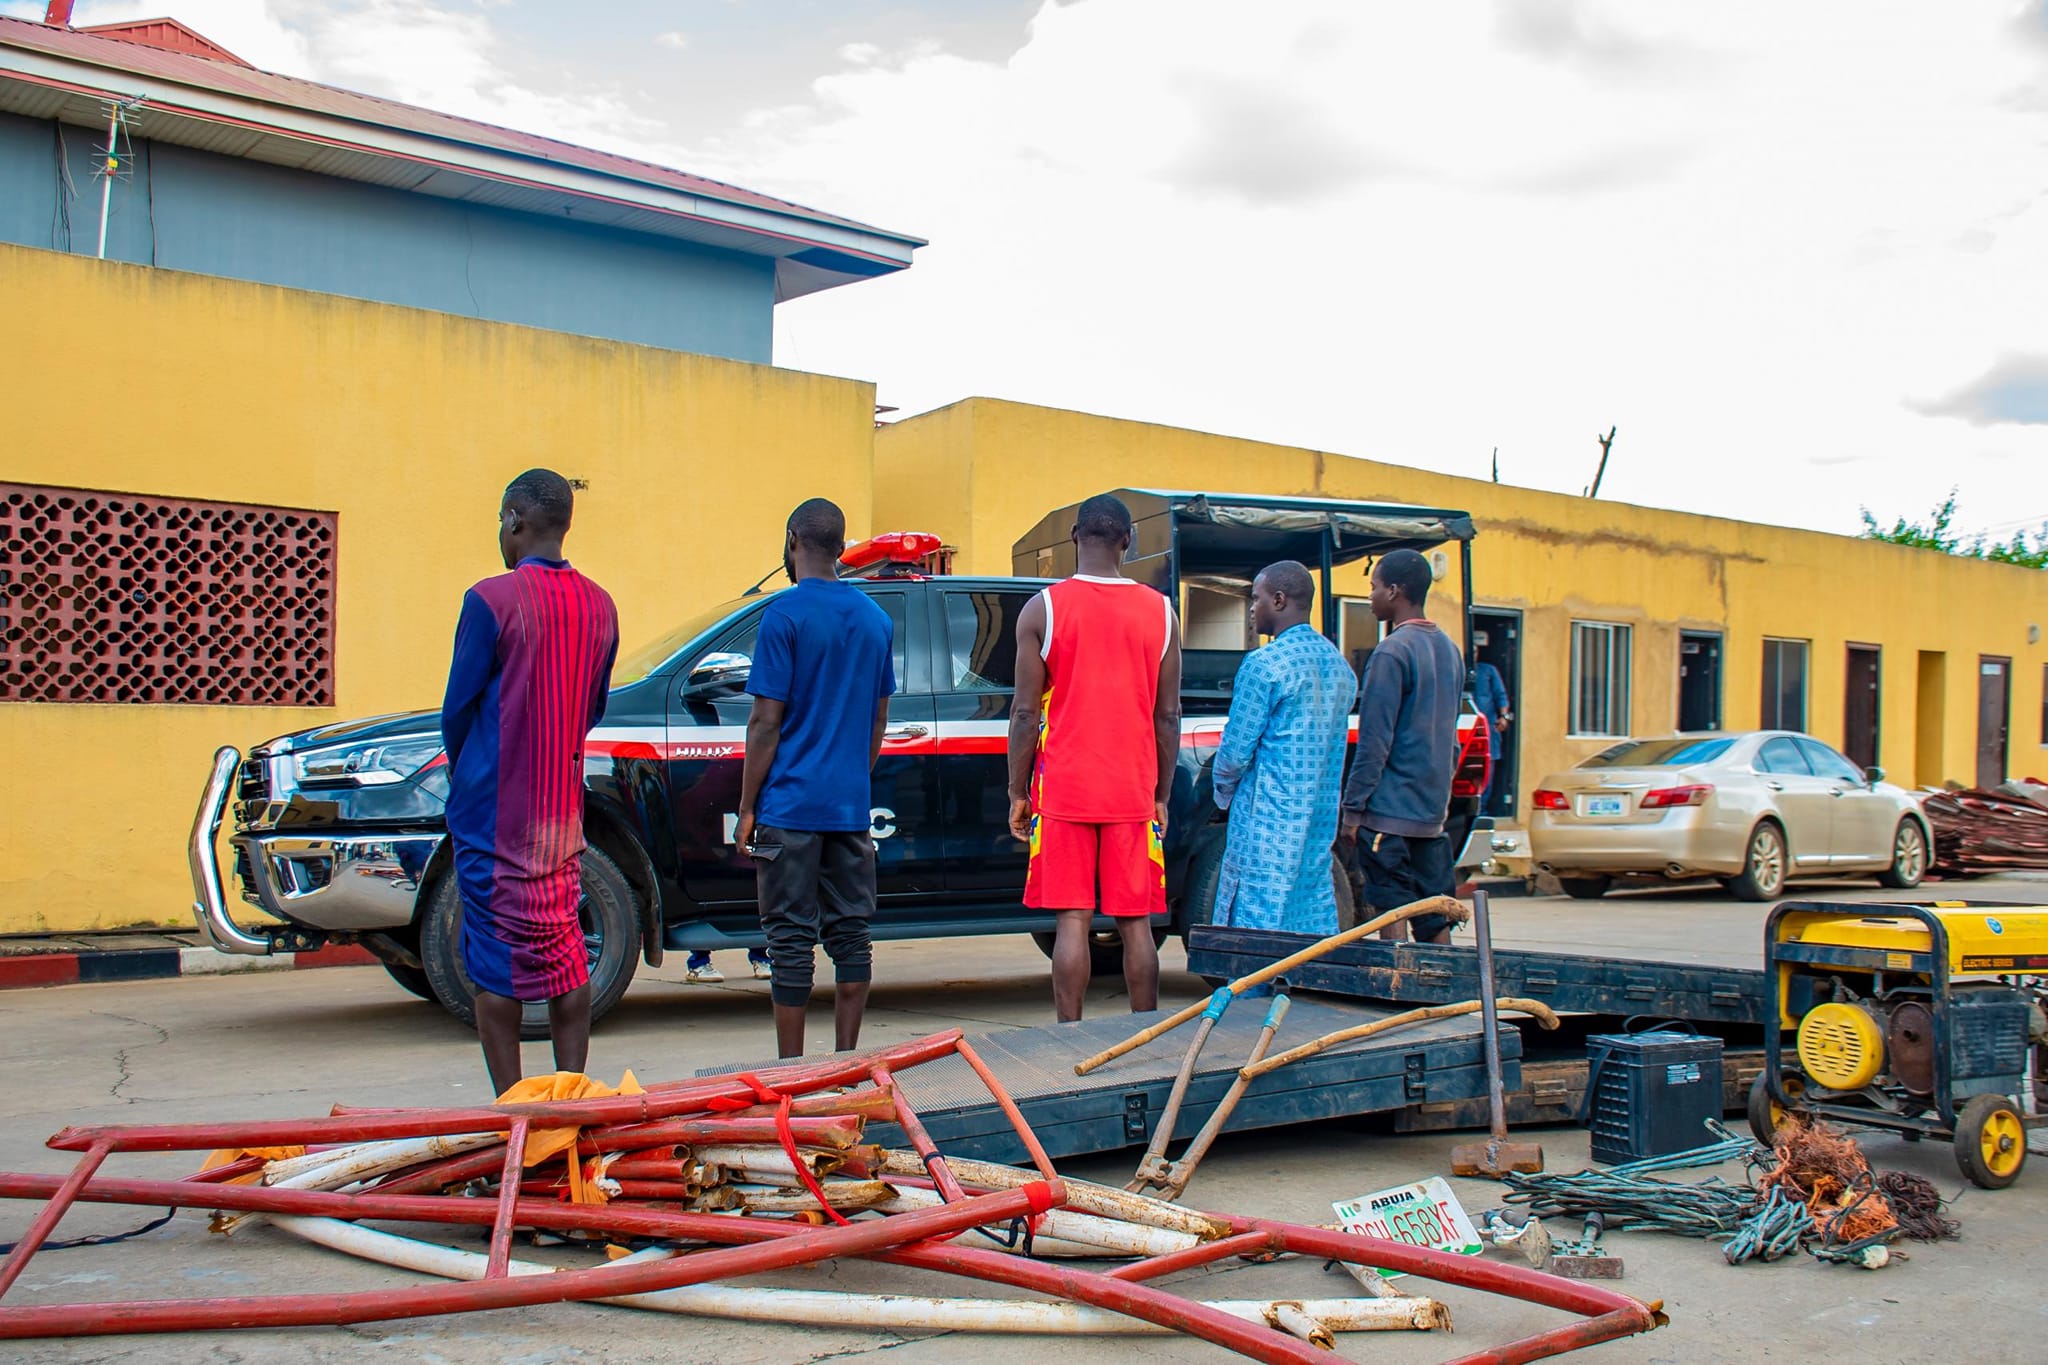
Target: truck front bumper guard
(345,885)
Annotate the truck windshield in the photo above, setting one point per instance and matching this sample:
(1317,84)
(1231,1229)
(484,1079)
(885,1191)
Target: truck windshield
(646,660)
(1660,753)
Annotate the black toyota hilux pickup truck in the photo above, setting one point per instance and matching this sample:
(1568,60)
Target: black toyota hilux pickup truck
(338,832)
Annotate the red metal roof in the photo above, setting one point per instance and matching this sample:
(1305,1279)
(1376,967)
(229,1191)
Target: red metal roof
(228,75)
(168,34)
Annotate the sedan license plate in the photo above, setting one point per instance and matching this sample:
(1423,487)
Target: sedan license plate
(1606,805)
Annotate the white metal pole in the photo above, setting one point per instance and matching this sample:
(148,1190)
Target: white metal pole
(107,189)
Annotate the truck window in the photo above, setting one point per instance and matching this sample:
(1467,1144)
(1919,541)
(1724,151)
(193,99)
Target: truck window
(743,639)
(981,638)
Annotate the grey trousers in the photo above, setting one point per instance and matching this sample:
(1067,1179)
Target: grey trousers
(819,889)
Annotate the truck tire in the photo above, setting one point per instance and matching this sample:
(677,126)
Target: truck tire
(413,979)
(1105,950)
(611,931)
(1585,888)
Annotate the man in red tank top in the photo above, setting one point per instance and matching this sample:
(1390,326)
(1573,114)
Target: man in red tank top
(1094,732)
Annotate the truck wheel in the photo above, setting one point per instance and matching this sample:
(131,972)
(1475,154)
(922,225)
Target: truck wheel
(611,936)
(1909,857)
(1764,863)
(412,978)
(1105,950)
(1991,1141)
(1585,888)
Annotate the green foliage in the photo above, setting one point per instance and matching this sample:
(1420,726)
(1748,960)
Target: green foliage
(1938,534)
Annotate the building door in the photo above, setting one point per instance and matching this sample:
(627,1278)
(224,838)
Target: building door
(1497,640)
(1699,681)
(1860,705)
(1994,711)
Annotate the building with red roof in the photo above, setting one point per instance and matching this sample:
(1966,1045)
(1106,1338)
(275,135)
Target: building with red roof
(219,168)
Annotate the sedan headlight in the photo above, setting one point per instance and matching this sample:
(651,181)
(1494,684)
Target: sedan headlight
(373,764)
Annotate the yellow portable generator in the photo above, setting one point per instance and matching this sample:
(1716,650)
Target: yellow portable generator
(1915,1018)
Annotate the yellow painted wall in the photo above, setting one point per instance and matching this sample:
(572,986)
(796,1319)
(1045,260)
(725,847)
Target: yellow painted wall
(408,424)
(1556,558)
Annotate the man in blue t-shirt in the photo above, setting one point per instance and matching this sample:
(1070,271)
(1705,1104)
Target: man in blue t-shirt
(821,679)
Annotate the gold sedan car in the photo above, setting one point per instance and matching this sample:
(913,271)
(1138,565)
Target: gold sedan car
(1754,810)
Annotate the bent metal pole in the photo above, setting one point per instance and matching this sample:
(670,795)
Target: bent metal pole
(1452,909)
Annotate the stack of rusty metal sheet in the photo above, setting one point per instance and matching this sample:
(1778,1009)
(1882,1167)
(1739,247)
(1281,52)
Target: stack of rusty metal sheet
(1978,831)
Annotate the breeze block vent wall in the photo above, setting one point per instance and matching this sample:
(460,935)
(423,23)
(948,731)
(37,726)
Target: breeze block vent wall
(119,597)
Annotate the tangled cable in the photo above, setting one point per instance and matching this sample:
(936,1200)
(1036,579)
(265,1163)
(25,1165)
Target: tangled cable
(1918,1206)
(1634,1203)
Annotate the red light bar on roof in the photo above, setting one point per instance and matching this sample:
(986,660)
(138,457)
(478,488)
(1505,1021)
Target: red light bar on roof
(894,547)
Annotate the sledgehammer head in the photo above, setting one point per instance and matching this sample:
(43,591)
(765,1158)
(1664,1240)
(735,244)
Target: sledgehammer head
(1495,1157)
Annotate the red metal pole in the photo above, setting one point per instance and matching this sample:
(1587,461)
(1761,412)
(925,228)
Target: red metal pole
(1009,1108)
(1202,1253)
(46,1221)
(803,1246)
(508,1200)
(920,1140)
(58,13)
(1120,1296)
(595,1113)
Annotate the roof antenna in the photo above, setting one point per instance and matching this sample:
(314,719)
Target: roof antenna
(1606,444)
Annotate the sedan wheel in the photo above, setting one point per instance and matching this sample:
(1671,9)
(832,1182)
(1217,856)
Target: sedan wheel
(1763,875)
(1909,857)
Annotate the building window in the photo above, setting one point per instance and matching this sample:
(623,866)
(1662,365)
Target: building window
(1784,700)
(111,597)
(1600,675)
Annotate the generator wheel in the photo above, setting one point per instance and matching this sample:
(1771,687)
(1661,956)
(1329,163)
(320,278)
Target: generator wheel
(1991,1141)
(1766,1115)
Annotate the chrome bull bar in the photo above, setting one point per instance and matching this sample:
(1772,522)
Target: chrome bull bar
(209,905)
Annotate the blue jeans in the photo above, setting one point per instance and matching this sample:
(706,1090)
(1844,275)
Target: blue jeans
(699,961)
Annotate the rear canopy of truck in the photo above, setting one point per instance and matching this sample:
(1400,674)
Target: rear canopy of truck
(1226,538)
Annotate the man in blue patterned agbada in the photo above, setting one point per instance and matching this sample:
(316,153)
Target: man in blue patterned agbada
(1281,765)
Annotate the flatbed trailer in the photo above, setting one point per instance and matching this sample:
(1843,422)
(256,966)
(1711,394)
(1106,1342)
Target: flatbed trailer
(1118,1105)
(1714,999)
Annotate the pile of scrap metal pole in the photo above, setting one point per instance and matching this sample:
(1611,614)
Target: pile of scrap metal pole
(1977,832)
(695,1183)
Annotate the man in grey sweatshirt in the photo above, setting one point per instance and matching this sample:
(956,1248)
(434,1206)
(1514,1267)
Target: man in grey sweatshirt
(1399,788)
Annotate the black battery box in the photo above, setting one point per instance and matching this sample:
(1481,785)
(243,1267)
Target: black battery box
(1650,1094)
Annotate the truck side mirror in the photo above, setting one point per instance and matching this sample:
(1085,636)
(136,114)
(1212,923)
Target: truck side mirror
(718,672)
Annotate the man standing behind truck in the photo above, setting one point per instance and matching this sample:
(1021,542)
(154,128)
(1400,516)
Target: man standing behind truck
(1094,731)
(822,675)
(1281,764)
(1399,790)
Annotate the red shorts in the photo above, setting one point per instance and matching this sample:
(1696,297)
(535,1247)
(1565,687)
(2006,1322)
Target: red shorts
(1069,861)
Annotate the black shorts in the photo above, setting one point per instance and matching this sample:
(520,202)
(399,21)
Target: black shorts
(1398,870)
(819,889)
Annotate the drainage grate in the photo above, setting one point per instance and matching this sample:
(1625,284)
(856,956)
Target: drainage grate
(114,597)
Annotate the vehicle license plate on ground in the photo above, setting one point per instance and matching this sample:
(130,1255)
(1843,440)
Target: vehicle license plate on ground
(1607,805)
(1426,1214)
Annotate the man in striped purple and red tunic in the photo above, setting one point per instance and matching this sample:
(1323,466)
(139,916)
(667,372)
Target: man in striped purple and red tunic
(533,663)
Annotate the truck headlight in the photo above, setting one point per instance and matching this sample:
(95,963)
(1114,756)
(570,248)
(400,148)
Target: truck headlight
(373,764)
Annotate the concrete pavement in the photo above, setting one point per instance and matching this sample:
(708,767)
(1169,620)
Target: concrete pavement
(270,1045)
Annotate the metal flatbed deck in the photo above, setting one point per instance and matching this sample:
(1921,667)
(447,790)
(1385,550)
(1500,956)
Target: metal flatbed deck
(1428,974)
(1117,1106)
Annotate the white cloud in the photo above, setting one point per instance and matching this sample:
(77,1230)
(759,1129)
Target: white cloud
(860,54)
(1747,233)
(674,38)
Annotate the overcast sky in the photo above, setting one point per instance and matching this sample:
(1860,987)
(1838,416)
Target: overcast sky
(1796,252)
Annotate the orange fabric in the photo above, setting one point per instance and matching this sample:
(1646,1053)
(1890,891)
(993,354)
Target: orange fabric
(227,1156)
(542,1143)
